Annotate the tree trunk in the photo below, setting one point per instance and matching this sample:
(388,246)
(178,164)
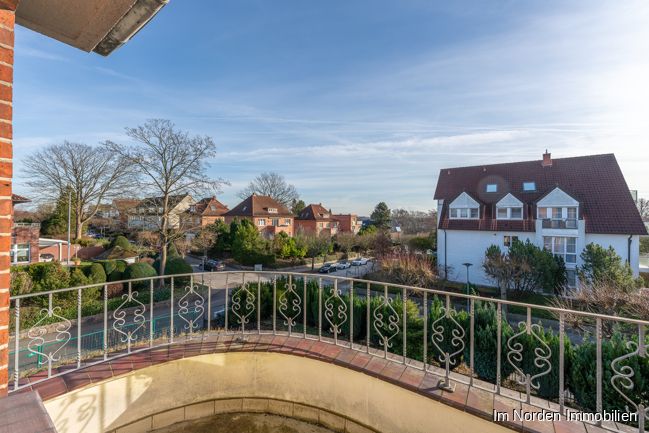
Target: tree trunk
(503,296)
(78,233)
(313,263)
(164,238)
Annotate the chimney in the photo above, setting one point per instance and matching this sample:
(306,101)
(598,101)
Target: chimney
(547,159)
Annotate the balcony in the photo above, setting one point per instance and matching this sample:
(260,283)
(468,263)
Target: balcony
(27,225)
(293,344)
(559,223)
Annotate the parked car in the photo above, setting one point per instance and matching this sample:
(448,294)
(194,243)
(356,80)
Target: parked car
(213,265)
(360,261)
(328,268)
(343,265)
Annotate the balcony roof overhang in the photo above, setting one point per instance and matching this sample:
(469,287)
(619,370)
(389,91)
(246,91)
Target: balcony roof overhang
(100,26)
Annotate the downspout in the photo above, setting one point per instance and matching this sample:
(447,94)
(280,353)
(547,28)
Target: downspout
(445,257)
(630,240)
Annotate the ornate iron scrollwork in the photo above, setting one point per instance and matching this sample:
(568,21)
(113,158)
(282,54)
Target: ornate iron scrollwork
(622,379)
(290,304)
(335,311)
(191,307)
(542,355)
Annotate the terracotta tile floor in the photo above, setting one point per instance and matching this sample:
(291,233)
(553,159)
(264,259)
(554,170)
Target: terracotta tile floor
(470,399)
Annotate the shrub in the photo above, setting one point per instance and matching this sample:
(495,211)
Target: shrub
(139,270)
(78,278)
(108,265)
(122,242)
(96,273)
(525,267)
(601,264)
(584,372)
(486,343)
(21,283)
(48,276)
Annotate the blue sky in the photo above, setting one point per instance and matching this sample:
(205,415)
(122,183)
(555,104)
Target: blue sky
(357,101)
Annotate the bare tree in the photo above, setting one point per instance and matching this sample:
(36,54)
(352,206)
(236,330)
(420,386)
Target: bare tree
(643,208)
(170,163)
(273,185)
(92,174)
(414,222)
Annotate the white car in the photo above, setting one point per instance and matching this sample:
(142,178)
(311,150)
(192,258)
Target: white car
(343,265)
(360,261)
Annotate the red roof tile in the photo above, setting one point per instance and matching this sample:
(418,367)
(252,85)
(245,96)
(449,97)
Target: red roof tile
(315,212)
(596,181)
(259,205)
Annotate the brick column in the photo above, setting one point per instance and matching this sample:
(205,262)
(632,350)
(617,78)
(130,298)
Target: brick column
(7,19)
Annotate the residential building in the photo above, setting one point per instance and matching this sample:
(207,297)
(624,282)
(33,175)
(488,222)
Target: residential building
(561,205)
(348,223)
(147,215)
(268,215)
(114,215)
(315,219)
(24,237)
(205,212)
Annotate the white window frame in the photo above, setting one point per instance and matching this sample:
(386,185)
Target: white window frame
(508,240)
(15,248)
(561,249)
(456,213)
(491,187)
(261,222)
(509,213)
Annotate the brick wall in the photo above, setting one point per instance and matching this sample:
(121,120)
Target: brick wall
(7,8)
(27,235)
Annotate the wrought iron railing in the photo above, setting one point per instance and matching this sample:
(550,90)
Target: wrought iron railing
(580,360)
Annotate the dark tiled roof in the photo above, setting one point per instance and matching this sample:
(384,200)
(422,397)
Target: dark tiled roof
(315,212)
(596,181)
(258,205)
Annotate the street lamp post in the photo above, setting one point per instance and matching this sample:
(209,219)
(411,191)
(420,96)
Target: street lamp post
(69,218)
(468,265)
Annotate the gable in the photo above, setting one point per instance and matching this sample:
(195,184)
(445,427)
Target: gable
(557,197)
(464,200)
(509,201)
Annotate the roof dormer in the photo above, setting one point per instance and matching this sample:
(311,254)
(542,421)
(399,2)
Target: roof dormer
(464,207)
(509,208)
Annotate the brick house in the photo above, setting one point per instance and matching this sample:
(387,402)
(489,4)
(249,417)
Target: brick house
(205,212)
(560,205)
(269,216)
(315,219)
(348,223)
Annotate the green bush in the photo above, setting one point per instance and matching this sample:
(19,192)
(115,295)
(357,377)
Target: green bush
(139,270)
(96,273)
(109,265)
(122,242)
(118,273)
(584,372)
(605,265)
(21,282)
(486,343)
(79,278)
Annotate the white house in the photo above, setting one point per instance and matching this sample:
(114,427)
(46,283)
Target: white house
(561,205)
(147,215)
